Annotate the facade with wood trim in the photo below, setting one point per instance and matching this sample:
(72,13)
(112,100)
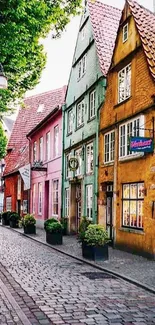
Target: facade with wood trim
(127,178)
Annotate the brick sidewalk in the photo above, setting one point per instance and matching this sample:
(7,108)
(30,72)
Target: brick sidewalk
(133,267)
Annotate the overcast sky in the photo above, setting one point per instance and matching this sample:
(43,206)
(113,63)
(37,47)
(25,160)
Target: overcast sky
(60,52)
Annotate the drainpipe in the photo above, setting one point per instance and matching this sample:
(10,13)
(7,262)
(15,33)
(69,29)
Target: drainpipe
(29,191)
(62,164)
(115,184)
(97,148)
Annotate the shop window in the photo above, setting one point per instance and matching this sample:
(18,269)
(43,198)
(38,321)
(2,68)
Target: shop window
(133,205)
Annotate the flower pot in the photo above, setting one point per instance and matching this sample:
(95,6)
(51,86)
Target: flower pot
(13,224)
(30,229)
(5,222)
(95,253)
(54,238)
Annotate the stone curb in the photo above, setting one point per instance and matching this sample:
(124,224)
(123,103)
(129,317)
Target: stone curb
(101,268)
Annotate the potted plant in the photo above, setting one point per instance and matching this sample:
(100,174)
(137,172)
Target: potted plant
(14,219)
(64,222)
(53,232)
(5,218)
(95,243)
(85,222)
(29,224)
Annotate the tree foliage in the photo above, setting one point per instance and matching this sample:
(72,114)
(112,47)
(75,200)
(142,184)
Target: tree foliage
(22,24)
(3,142)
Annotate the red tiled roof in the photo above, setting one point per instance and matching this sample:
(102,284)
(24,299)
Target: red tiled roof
(105,22)
(27,119)
(145,23)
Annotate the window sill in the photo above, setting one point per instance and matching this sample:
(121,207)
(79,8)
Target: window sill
(132,230)
(127,158)
(89,174)
(91,119)
(106,164)
(79,127)
(123,102)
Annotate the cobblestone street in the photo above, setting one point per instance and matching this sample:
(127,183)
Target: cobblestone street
(47,287)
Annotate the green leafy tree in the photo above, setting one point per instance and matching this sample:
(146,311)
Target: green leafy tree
(22,24)
(3,142)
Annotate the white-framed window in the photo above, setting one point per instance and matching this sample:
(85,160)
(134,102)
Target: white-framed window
(34,198)
(125,32)
(89,200)
(89,158)
(34,150)
(124,83)
(133,205)
(48,146)
(70,121)
(68,172)
(8,203)
(133,127)
(40,198)
(82,67)
(67,202)
(56,140)
(78,155)
(55,197)
(92,104)
(41,149)
(80,113)
(109,146)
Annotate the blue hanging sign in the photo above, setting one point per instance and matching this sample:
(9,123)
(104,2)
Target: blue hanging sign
(141,144)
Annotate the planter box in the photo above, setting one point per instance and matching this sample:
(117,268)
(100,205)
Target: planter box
(54,239)
(5,222)
(31,229)
(13,224)
(95,253)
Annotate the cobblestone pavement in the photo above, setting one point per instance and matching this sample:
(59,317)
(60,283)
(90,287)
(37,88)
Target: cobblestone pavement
(66,291)
(132,266)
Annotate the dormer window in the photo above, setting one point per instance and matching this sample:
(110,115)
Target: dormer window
(125,33)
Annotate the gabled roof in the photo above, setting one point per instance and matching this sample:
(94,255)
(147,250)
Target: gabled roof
(145,23)
(105,22)
(28,117)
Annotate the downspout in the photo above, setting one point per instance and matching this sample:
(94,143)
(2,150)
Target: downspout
(62,172)
(29,191)
(103,83)
(115,192)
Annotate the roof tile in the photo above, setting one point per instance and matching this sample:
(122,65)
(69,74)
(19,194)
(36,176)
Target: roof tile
(145,23)
(27,119)
(105,21)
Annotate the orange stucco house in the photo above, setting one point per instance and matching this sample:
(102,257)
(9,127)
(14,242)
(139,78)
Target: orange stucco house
(126,203)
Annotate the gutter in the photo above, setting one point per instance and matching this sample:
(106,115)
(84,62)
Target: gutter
(62,162)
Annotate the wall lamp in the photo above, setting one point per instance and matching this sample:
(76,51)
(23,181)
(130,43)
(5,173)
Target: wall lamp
(3,79)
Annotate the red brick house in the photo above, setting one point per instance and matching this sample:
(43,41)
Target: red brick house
(17,174)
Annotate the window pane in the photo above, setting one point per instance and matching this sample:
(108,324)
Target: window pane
(126,213)
(140,214)
(56,141)
(126,191)
(133,191)
(141,190)
(133,214)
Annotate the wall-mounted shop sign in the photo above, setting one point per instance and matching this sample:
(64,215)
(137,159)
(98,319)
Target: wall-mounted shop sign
(73,163)
(141,144)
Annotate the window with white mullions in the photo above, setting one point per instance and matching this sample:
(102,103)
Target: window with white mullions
(92,104)
(89,201)
(55,197)
(70,121)
(35,151)
(109,146)
(68,172)
(41,149)
(127,130)
(48,146)
(124,83)
(78,154)
(125,33)
(133,205)
(80,113)
(89,158)
(56,141)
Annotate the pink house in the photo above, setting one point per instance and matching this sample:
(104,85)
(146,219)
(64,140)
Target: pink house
(46,165)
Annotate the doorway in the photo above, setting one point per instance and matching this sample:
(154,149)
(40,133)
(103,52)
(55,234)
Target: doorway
(109,212)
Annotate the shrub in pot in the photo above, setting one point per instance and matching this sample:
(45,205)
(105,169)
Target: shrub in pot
(49,221)
(29,224)
(53,232)
(5,218)
(95,243)
(85,222)
(64,222)
(14,219)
